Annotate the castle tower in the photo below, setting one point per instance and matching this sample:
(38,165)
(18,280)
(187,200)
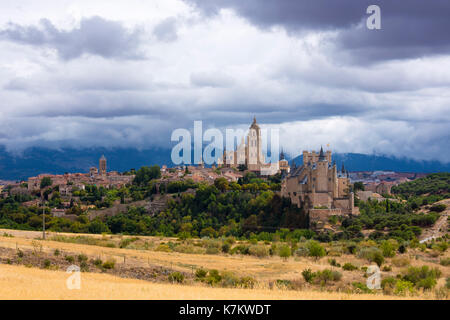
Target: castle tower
(102,165)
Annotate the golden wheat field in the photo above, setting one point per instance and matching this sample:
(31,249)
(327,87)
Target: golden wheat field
(34,282)
(17,282)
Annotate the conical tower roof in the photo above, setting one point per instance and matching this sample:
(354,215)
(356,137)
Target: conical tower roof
(321,154)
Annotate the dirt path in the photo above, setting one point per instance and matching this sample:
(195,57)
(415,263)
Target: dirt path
(440,227)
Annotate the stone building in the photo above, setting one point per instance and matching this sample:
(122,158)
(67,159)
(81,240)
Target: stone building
(319,188)
(249,153)
(102,166)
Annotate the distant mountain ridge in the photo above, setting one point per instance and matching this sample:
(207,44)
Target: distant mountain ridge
(364,162)
(34,161)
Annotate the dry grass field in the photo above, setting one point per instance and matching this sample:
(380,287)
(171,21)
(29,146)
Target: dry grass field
(21,282)
(17,282)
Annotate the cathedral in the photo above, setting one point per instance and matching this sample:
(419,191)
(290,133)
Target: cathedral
(318,187)
(250,154)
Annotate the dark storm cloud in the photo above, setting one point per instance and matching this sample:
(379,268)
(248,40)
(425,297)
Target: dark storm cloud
(410,28)
(95,36)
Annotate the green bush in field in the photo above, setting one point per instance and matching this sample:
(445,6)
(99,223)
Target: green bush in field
(226,247)
(315,249)
(349,267)
(82,258)
(403,287)
(285,251)
(308,275)
(372,254)
(212,250)
(259,251)
(98,262)
(200,273)
(328,275)
(362,287)
(47,263)
(109,264)
(422,277)
(388,248)
(69,259)
(176,277)
(213,277)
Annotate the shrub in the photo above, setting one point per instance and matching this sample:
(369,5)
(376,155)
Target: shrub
(440,246)
(229,280)
(230,240)
(259,251)
(333,263)
(387,268)
(242,249)
(176,277)
(315,249)
(402,248)
(69,259)
(200,274)
(226,247)
(57,252)
(427,283)
(47,263)
(247,282)
(378,259)
(445,262)
(438,207)
(287,284)
(20,253)
(422,277)
(400,261)
(285,251)
(308,275)
(110,264)
(84,266)
(372,254)
(163,248)
(361,287)
(349,267)
(403,287)
(82,258)
(98,262)
(328,275)
(447,283)
(212,250)
(388,285)
(388,248)
(213,277)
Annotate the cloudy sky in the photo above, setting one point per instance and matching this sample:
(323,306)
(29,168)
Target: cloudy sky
(119,73)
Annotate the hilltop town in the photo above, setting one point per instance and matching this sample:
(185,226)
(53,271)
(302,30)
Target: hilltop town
(317,186)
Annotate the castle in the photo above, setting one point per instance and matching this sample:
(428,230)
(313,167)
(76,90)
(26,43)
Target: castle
(250,155)
(318,187)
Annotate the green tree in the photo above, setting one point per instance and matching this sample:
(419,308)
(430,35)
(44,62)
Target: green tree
(315,249)
(285,252)
(145,174)
(46,182)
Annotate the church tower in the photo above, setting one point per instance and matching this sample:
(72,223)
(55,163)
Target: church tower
(254,155)
(102,166)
